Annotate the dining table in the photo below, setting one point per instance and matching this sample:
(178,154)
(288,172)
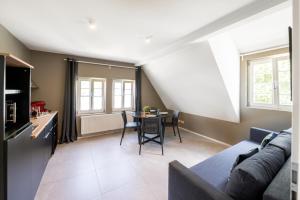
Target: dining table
(139,116)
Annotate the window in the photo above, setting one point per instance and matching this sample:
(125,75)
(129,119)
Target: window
(123,95)
(90,95)
(270,83)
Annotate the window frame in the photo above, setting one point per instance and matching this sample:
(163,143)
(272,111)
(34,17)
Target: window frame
(78,95)
(123,81)
(275,91)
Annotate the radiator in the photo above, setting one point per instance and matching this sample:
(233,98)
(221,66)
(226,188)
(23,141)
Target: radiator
(101,123)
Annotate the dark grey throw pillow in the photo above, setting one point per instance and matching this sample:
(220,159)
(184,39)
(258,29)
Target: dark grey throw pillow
(243,157)
(250,179)
(267,139)
(283,141)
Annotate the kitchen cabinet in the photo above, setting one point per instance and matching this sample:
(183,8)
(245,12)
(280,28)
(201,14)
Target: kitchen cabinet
(27,158)
(24,152)
(44,144)
(19,152)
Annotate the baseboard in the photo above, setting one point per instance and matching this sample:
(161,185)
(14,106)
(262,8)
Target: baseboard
(206,137)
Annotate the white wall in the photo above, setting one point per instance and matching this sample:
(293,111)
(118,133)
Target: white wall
(190,80)
(228,61)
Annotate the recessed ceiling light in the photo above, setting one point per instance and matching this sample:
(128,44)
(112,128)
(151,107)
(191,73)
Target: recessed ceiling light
(148,39)
(92,24)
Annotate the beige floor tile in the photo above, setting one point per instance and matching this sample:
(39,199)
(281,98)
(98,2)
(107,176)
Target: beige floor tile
(97,168)
(84,187)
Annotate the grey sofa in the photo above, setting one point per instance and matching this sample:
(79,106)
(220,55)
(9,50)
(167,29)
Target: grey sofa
(207,180)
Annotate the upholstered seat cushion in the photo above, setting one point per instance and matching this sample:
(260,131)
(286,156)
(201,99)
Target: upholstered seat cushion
(216,169)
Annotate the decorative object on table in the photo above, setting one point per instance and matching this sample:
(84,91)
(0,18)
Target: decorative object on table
(153,110)
(40,105)
(127,124)
(146,108)
(174,123)
(157,111)
(152,126)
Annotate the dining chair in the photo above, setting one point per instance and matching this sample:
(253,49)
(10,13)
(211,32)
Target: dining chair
(127,124)
(174,123)
(152,126)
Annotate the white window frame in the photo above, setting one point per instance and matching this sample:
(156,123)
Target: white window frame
(123,81)
(91,110)
(275,103)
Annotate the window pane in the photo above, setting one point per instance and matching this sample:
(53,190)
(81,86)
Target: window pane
(97,103)
(98,84)
(284,82)
(128,86)
(84,103)
(127,101)
(97,92)
(118,102)
(84,92)
(118,92)
(128,92)
(118,85)
(84,84)
(263,83)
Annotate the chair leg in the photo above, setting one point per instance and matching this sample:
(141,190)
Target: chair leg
(140,149)
(139,135)
(174,130)
(162,143)
(179,134)
(122,135)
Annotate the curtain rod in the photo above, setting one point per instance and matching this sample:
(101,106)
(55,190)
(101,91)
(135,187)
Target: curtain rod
(104,64)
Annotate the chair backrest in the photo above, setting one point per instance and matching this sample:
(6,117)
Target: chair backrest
(175,116)
(124,117)
(152,125)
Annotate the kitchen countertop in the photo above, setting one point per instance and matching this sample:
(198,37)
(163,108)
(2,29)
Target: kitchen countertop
(40,123)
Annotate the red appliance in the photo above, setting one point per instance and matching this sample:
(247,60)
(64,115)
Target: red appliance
(39,104)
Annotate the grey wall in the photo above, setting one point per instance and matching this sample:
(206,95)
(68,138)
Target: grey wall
(234,132)
(49,75)
(10,44)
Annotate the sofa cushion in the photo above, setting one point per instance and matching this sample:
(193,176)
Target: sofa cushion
(216,170)
(244,156)
(283,141)
(249,180)
(268,139)
(279,189)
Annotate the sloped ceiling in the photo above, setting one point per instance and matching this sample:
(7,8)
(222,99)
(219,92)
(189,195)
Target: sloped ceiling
(190,80)
(264,32)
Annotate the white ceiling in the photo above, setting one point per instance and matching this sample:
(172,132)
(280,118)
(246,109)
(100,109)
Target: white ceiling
(264,32)
(61,25)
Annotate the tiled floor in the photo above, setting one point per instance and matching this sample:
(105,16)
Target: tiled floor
(97,168)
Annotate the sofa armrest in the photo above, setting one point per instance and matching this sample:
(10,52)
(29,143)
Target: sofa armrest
(185,184)
(258,134)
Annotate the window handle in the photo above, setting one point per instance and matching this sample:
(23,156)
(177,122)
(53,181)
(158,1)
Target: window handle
(275,85)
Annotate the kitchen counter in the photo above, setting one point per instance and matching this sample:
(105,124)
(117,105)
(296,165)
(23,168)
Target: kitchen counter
(40,123)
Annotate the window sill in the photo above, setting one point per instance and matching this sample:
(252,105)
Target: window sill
(281,109)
